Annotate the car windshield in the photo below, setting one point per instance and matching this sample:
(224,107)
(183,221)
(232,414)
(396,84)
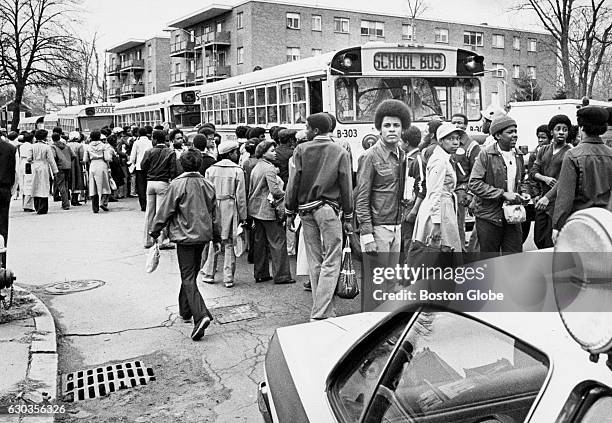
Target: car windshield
(357,98)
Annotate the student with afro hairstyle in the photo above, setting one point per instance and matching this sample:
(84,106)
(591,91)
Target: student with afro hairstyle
(380,187)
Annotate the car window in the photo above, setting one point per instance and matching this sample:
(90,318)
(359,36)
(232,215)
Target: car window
(453,368)
(356,384)
(599,412)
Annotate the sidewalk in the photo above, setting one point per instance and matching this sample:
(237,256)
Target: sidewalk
(28,349)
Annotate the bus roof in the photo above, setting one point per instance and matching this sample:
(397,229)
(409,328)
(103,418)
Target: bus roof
(75,110)
(32,119)
(570,101)
(50,117)
(153,99)
(304,67)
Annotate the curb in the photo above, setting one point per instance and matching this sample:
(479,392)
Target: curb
(43,360)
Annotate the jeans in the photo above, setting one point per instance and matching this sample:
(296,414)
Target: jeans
(190,301)
(5,204)
(323,242)
(132,184)
(499,239)
(269,233)
(95,202)
(542,230)
(62,182)
(141,188)
(209,267)
(156,191)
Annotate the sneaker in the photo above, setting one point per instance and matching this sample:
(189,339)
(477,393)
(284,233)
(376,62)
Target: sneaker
(264,279)
(307,286)
(207,278)
(199,328)
(229,284)
(286,281)
(103,207)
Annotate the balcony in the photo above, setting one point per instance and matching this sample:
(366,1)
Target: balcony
(183,79)
(214,73)
(132,65)
(199,75)
(182,48)
(113,70)
(131,89)
(113,93)
(216,39)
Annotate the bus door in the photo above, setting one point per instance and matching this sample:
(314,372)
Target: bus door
(315,95)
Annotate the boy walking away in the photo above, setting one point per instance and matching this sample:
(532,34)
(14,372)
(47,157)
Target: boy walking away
(189,211)
(228,180)
(319,188)
(63,158)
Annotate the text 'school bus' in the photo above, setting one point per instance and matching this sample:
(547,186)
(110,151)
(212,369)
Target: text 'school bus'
(175,109)
(433,81)
(32,123)
(86,117)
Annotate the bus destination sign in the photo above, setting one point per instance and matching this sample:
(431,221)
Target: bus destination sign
(102,110)
(413,61)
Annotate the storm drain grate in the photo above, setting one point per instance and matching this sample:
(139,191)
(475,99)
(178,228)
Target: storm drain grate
(101,381)
(234,313)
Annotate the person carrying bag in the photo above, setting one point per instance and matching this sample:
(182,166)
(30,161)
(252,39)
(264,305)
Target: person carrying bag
(348,286)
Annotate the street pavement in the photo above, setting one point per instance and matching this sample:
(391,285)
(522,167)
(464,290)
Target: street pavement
(133,316)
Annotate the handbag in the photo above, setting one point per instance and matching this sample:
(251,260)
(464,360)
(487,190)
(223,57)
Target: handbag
(514,213)
(113,184)
(428,255)
(279,207)
(240,244)
(152,258)
(347,286)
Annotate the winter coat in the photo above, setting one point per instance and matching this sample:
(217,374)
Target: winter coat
(63,155)
(439,205)
(228,179)
(76,167)
(189,210)
(43,167)
(25,182)
(264,181)
(98,156)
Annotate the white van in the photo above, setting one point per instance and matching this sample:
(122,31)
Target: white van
(531,114)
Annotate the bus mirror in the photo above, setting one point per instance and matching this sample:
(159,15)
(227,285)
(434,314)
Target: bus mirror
(188,97)
(347,62)
(469,63)
(90,111)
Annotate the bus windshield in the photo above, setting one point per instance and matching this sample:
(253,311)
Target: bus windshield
(93,123)
(185,116)
(357,98)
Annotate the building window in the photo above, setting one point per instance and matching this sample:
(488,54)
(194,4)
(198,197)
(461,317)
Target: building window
(472,38)
(516,71)
(150,50)
(441,35)
(341,25)
(531,71)
(150,76)
(499,70)
(316,22)
(533,45)
(240,55)
(372,28)
(498,41)
(293,20)
(219,29)
(138,55)
(177,68)
(316,51)
(516,43)
(239,16)
(293,54)
(406,32)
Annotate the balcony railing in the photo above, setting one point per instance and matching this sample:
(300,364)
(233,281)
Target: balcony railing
(181,77)
(113,70)
(219,38)
(217,72)
(113,92)
(133,89)
(179,48)
(199,73)
(132,64)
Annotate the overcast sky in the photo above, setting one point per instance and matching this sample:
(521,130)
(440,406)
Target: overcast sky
(118,20)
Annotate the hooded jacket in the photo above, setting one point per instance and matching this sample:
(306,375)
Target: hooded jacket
(63,155)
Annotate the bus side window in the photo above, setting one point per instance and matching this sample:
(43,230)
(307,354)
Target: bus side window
(315,92)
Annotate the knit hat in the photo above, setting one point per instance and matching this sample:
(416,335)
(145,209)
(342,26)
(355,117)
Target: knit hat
(500,123)
(263,147)
(592,115)
(557,119)
(320,121)
(227,146)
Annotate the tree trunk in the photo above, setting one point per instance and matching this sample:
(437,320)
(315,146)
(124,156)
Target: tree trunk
(19,88)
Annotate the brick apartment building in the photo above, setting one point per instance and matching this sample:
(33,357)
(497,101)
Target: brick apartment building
(221,41)
(137,67)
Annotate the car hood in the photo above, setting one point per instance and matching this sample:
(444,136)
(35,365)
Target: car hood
(300,358)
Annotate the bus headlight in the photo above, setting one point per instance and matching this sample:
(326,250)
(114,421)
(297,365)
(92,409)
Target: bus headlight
(582,278)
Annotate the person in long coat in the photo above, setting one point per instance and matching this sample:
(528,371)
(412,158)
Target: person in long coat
(77,185)
(25,172)
(436,221)
(43,168)
(98,156)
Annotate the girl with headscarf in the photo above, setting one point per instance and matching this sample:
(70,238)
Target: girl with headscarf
(98,155)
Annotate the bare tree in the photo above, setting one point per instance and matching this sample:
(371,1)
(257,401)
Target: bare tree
(81,81)
(582,33)
(33,44)
(526,88)
(415,9)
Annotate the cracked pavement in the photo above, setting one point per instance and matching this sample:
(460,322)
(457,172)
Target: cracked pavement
(135,316)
